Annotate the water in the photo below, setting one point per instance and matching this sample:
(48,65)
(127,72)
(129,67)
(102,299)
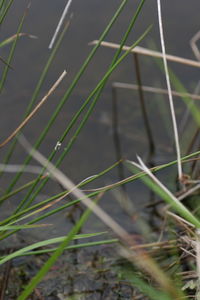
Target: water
(94,150)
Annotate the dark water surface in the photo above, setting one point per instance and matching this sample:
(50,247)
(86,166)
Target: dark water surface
(94,150)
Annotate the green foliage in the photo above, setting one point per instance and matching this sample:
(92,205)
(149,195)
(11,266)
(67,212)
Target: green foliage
(28,214)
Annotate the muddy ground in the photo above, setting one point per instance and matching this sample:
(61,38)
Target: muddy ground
(78,275)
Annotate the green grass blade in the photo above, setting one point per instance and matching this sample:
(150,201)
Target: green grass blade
(16,217)
(72,247)
(70,90)
(37,90)
(5,11)
(47,201)
(97,90)
(45,243)
(137,176)
(50,262)
(16,191)
(2,6)
(11,54)
(148,289)
(179,87)
(19,227)
(194,110)
(168,198)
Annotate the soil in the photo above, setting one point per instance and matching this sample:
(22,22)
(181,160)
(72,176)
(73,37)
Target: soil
(78,275)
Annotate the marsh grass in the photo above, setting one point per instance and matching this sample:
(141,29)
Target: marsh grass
(158,268)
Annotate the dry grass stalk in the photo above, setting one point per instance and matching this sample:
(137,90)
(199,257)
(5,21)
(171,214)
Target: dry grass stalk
(34,111)
(155,90)
(132,177)
(139,257)
(65,11)
(68,185)
(173,115)
(189,192)
(193,44)
(181,221)
(152,53)
(13,168)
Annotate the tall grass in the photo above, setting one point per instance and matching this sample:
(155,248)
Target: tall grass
(144,258)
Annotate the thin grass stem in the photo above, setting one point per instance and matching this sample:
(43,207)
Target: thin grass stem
(173,115)
(4,14)
(60,23)
(37,89)
(97,90)
(155,90)
(151,53)
(69,91)
(12,51)
(35,110)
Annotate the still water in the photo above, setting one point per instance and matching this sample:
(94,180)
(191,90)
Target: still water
(94,149)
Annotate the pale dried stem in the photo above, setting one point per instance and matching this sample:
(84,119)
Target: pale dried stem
(16,168)
(188,252)
(65,11)
(34,111)
(155,90)
(180,219)
(189,192)
(173,115)
(43,207)
(139,257)
(193,44)
(130,178)
(152,53)
(68,184)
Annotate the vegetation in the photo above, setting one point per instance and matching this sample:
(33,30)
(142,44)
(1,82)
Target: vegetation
(163,260)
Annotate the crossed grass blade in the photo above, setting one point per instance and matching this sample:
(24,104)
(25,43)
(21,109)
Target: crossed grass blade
(69,91)
(96,94)
(43,205)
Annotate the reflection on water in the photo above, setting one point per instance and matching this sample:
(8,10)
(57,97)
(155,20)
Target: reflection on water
(94,149)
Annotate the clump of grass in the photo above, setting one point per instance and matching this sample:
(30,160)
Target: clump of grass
(160,267)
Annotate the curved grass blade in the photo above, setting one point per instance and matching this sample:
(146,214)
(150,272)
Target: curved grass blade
(72,247)
(45,202)
(13,38)
(45,243)
(42,205)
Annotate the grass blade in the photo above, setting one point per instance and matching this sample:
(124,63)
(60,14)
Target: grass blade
(37,90)
(171,103)
(98,89)
(12,51)
(69,91)
(165,194)
(50,262)
(45,243)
